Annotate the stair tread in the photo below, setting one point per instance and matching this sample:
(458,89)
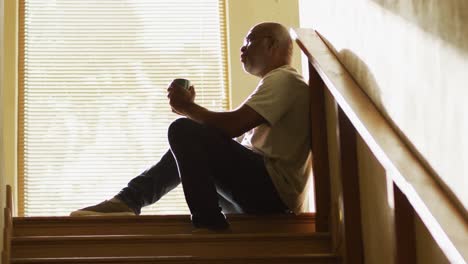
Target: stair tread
(195,236)
(285,258)
(159,218)
(156,224)
(101,239)
(172,245)
(318,255)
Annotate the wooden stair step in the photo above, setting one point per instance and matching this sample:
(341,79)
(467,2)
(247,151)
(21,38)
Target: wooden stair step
(170,245)
(156,224)
(290,259)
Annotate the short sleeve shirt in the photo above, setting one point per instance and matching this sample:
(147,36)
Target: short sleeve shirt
(282,98)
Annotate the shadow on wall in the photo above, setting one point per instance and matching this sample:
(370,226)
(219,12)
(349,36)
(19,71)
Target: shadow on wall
(447,19)
(363,76)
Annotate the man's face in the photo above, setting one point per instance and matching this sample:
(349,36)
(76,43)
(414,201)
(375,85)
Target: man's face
(255,52)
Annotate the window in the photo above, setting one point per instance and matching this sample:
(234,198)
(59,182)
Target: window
(93,106)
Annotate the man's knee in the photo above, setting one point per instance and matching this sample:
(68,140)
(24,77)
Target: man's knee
(181,128)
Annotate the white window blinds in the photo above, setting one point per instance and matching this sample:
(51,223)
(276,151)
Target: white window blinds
(93,106)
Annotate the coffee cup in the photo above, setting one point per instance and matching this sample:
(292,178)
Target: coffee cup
(184,83)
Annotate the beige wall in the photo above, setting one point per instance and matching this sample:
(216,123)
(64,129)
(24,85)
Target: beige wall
(9,94)
(411,58)
(377,208)
(242,15)
(2,178)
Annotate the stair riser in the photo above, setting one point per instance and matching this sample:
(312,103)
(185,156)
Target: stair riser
(303,260)
(168,247)
(152,229)
(61,226)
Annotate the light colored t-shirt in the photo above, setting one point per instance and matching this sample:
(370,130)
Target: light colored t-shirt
(282,98)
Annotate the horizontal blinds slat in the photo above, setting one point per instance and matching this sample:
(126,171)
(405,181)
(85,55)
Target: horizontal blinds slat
(94,111)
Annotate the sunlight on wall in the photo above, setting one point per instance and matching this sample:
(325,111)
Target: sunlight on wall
(415,74)
(2,178)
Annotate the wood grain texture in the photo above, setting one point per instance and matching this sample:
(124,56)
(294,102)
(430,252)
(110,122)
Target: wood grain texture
(446,222)
(319,146)
(286,238)
(404,229)
(212,245)
(290,259)
(157,224)
(351,194)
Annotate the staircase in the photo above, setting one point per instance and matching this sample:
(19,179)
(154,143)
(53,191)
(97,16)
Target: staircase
(168,239)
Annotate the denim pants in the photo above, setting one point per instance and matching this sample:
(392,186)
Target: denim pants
(217,173)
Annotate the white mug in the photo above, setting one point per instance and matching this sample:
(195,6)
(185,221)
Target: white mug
(184,83)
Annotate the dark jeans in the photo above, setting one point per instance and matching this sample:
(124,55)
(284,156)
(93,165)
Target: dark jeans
(216,173)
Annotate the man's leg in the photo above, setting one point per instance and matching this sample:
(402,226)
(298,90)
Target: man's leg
(142,190)
(242,178)
(228,206)
(152,184)
(210,163)
(214,169)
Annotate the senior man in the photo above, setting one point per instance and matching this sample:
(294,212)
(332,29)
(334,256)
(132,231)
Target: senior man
(252,160)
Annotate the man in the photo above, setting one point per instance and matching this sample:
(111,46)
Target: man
(266,173)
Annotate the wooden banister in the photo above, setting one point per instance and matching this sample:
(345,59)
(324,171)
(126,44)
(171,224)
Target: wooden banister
(350,187)
(320,167)
(440,214)
(404,227)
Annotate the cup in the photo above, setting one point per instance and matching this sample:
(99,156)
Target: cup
(184,83)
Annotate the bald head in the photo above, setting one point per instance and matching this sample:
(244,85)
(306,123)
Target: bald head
(266,47)
(280,35)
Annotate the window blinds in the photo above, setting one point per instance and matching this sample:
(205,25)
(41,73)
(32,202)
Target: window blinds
(93,108)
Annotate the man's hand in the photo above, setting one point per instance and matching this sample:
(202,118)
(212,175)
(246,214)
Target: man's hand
(180,99)
(231,123)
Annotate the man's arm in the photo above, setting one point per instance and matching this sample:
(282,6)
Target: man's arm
(232,123)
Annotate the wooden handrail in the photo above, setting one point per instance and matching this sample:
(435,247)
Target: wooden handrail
(433,205)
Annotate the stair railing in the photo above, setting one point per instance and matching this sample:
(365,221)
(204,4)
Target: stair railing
(416,189)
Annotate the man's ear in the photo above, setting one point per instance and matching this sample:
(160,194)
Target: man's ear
(272,43)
